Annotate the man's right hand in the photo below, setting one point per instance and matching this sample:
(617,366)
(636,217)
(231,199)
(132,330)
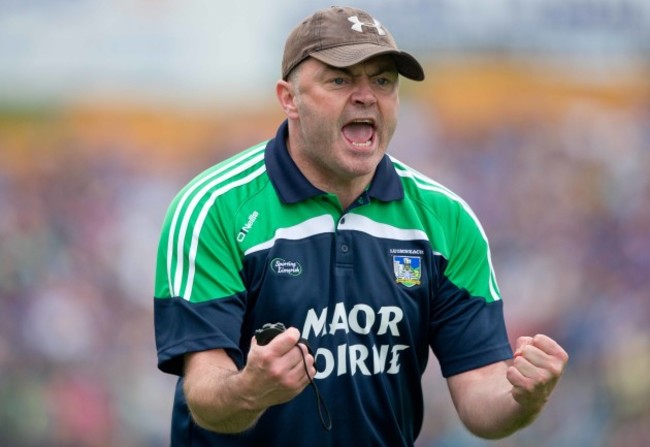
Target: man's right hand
(276,372)
(226,400)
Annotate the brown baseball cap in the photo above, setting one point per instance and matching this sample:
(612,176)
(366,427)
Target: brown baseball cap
(342,36)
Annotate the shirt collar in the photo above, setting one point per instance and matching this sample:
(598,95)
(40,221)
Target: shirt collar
(293,187)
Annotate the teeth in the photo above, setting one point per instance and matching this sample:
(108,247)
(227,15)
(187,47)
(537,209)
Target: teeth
(355,135)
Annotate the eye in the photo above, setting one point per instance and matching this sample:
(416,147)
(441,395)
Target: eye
(386,79)
(338,81)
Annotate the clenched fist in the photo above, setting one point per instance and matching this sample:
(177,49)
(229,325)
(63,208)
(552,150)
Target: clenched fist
(537,366)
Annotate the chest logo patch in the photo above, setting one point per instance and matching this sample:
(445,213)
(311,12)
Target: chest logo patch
(281,266)
(408,270)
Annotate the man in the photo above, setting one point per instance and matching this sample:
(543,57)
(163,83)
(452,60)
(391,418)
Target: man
(369,261)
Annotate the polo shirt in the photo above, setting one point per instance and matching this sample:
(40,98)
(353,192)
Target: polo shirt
(404,269)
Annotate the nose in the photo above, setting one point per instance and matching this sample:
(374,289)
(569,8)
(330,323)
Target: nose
(363,93)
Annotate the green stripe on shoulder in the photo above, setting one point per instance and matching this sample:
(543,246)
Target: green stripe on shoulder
(470,260)
(188,212)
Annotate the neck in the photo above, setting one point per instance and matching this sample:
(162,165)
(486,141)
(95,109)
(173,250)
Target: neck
(346,189)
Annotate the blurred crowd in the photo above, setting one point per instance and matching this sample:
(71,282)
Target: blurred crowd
(566,205)
(564,201)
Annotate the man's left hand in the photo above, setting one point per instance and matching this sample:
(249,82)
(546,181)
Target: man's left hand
(536,368)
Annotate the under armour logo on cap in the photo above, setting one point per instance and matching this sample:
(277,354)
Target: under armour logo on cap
(341,37)
(358,25)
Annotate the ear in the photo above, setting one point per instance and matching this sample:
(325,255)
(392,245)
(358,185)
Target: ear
(286,97)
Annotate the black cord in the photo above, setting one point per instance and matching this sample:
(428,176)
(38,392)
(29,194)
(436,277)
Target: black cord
(320,404)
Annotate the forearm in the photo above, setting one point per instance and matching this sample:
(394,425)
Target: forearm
(489,410)
(218,402)
(485,404)
(498,399)
(226,400)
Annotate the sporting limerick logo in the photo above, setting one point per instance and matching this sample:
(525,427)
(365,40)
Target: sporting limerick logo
(282,267)
(407,270)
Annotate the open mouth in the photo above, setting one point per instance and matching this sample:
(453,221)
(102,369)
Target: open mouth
(360,133)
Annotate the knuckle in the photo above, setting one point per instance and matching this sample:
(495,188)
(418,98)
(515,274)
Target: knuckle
(538,338)
(275,372)
(556,369)
(564,356)
(519,361)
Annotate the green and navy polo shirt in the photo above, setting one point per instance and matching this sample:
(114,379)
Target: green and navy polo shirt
(405,268)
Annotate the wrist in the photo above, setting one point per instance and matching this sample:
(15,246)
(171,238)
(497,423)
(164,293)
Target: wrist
(247,398)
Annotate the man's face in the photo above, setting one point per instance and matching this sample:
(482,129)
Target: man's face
(345,119)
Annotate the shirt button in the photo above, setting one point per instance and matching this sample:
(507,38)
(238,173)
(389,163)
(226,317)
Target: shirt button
(345,248)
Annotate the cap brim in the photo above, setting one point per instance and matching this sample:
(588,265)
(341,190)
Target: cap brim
(347,55)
